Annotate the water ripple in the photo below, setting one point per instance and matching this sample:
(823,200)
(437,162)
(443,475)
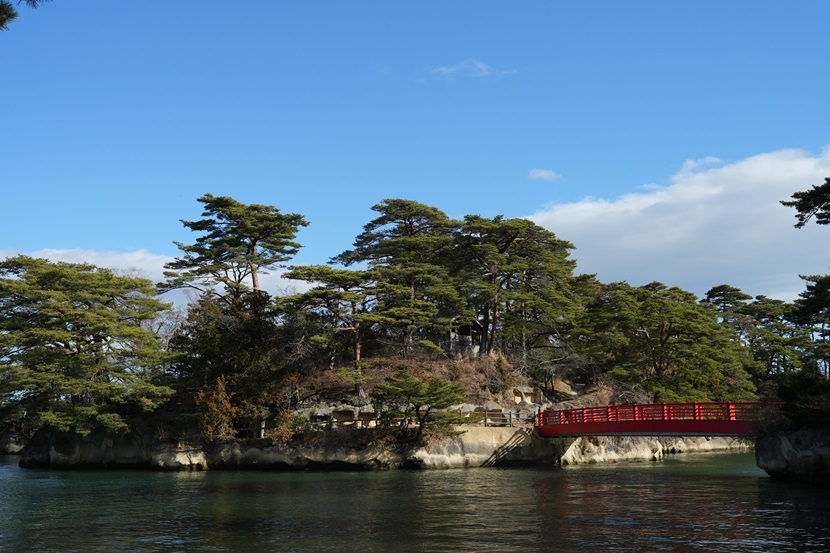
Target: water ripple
(714,503)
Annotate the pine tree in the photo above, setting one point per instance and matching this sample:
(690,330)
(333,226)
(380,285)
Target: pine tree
(405,397)
(404,247)
(518,278)
(348,297)
(814,202)
(8,13)
(238,242)
(665,342)
(74,350)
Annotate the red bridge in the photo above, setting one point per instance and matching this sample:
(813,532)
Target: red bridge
(663,419)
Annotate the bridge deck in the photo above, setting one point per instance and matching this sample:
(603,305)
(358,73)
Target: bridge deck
(664,419)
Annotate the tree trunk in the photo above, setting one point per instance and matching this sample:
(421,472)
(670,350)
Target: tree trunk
(254,276)
(485,333)
(494,323)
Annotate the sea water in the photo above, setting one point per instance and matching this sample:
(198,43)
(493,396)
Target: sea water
(712,502)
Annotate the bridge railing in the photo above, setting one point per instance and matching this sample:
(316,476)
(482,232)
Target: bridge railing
(744,411)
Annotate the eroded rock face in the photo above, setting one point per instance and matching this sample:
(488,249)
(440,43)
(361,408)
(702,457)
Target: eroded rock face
(802,454)
(238,456)
(96,450)
(604,449)
(612,449)
(10,447)
(178,458)
(487,447)
(476,447)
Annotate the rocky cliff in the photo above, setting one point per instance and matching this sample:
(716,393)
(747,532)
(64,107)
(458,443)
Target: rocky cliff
(802,454)
(612,449)
(476,447)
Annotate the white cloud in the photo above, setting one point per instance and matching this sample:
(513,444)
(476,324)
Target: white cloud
(470,67)
(543,174)
(139,263)
(715,223)
(144,264)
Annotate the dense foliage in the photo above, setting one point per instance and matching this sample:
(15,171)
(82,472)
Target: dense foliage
(422,313)
(74,349)
(667,343)
(406,398)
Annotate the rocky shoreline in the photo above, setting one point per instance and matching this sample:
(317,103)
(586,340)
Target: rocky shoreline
(798,455)
(476,447)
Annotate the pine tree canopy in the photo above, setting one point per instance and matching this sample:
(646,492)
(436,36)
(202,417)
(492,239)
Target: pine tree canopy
(74,348)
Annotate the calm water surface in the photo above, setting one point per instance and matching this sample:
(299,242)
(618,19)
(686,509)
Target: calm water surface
(718,502)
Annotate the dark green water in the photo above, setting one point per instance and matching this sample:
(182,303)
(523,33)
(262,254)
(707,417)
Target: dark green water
(690,503)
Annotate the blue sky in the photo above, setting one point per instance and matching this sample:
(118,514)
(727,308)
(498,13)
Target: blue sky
(658,137)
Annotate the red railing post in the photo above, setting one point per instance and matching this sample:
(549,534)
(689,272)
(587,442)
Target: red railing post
(732,412)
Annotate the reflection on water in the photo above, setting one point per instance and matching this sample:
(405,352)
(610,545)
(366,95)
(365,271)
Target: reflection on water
(693,503)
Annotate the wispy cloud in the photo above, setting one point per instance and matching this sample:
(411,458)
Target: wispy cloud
(543,174)
(715,223)
(470,67)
